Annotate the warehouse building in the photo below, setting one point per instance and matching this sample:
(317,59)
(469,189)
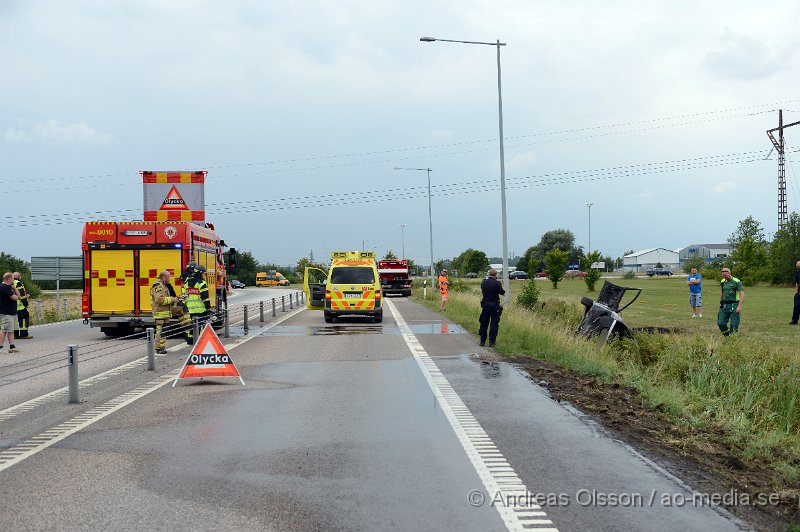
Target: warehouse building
(709,252)
(643,260)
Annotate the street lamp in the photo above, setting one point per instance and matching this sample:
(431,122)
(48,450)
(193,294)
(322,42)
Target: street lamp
(498,44)
(590,226)
(430,217)
(403,238)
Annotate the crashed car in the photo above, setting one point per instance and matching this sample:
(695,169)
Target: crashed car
(602,318)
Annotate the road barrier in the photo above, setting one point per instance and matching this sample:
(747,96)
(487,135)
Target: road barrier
(291,306)
(283,305)
(246,326)
(72,369)
(273,307)
(261,311)
(227,330)
(151,349)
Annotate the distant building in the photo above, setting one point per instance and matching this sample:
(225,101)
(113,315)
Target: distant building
(643,260)
(709,252)
(499,268)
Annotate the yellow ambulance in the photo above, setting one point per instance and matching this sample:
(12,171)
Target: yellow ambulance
(351,287)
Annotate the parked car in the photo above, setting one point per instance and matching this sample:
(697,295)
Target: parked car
(472,275)
(519,274)
(658,271)
(237,284)
(541,274)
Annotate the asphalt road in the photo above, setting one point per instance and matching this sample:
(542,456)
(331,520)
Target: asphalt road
(349,426)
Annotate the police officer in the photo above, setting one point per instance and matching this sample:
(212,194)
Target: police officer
(197,300)
(165,305)
(730,303)
(23,317)
(492,289)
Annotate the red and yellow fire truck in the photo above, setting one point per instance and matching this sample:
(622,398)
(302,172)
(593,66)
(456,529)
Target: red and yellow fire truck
(122,260)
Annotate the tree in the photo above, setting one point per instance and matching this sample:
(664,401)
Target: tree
(784,252)
(749,228)
(609,263)
(246,267)
(563,239)
(438,267)
(694,262)
(556,261)
(524,263)
(10,263)
(749,252)
(659,265)
(592,274)
(390,255)
(471,260)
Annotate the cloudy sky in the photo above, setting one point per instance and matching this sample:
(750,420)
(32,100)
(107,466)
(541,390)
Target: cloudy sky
(654,111)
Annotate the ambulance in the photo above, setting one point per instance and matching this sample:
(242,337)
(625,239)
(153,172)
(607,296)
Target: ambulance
(351,287)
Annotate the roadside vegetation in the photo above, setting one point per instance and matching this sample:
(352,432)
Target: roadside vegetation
(745,387)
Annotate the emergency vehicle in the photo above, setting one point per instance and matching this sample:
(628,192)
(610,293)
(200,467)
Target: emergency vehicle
(122,260)
(351,287)
(271,278)
(395,278)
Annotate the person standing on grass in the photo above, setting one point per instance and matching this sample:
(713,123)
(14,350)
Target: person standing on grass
(443,289)
(695,293)
(491,289)
(796,311)
(730,303)
(9,295)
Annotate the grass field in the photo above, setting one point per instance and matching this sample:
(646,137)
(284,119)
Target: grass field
(746,386)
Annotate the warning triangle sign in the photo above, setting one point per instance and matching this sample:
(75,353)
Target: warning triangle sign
(208,359)
(174,201)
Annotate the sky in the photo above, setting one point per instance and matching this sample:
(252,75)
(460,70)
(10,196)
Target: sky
(654,112)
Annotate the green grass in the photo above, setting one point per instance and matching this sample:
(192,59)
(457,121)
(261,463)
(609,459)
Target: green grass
(747,385)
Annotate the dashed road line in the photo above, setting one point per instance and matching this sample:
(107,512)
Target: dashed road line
(497,483)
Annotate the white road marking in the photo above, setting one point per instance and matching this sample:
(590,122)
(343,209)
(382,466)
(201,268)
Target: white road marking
(497,483)
(40,442)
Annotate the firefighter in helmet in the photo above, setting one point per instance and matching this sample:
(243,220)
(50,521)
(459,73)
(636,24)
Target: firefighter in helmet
(23,317)
(197,300)
(166,305)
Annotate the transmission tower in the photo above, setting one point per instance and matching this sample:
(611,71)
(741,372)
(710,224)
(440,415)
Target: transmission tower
(780,147)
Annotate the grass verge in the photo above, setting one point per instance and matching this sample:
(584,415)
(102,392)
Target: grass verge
(743,390)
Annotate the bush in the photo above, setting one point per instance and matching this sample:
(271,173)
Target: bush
(629,275)
(458,285)
(529,295)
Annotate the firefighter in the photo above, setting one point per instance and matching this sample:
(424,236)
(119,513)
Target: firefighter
(166,305)
(197,300)
(23,317)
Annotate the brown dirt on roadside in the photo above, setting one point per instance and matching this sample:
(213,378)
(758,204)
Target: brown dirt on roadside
(701,458)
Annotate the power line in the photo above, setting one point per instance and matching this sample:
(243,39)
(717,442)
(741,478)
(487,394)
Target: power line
(443,190)
(454,144)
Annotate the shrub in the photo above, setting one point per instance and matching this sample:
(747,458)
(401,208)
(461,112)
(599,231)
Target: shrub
(529,295)
(458,285)
(556,262)
(629,275)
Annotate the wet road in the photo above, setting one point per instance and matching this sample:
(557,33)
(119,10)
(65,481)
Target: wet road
(345,426)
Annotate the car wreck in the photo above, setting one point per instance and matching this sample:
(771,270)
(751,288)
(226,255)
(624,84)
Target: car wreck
(601,318)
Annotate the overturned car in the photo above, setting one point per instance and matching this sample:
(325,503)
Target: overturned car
(602,318)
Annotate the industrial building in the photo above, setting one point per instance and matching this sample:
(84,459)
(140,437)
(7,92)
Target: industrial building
(643,260)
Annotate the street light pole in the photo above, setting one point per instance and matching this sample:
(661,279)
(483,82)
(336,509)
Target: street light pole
(430,211)
(590,227)
(403,238)
(504,224)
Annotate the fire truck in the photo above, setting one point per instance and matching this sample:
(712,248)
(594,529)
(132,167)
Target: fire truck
(395,277)
(122,260)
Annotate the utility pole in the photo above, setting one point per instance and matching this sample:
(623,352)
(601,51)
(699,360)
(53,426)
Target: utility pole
(780,148)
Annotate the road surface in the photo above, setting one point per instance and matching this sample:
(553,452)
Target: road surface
(344,426)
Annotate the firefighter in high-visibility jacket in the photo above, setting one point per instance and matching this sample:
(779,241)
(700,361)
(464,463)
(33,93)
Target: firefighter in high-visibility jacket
(23,317)
(166,304)
(197,300)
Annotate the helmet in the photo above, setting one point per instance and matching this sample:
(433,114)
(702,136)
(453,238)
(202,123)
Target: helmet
(191,265)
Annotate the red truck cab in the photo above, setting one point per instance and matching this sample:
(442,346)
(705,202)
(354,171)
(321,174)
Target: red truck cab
(395,277)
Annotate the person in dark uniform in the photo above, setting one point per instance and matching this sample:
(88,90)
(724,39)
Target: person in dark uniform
(796,311)
(492,289)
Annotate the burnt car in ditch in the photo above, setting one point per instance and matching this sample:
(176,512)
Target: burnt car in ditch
(601,318)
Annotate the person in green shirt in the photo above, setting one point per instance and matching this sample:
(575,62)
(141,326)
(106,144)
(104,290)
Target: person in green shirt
(730,303)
